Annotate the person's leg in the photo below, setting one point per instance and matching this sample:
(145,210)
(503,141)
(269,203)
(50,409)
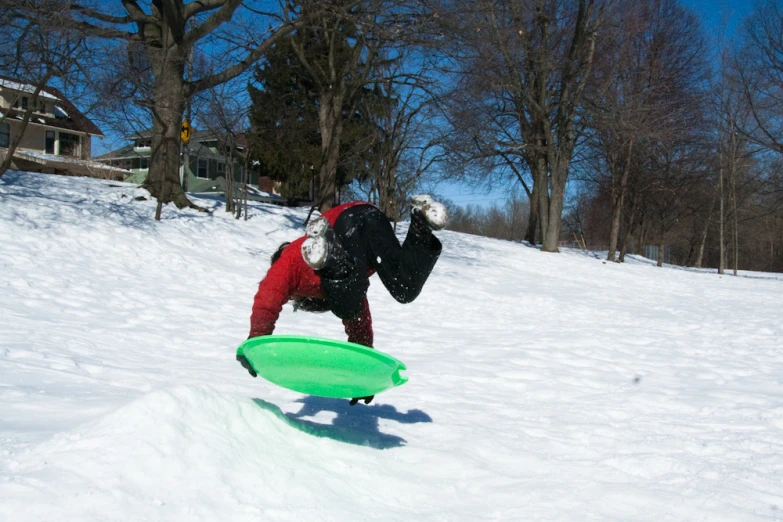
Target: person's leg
(367,234)
(345,292)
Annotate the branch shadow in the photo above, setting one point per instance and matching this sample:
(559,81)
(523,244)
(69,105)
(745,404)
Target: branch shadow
(357,425)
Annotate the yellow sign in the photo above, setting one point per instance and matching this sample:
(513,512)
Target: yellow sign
(186,131)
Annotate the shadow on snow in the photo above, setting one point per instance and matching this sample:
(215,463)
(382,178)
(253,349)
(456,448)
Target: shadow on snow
(353,424)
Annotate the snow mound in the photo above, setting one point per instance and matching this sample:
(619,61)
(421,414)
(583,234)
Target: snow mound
(185,452)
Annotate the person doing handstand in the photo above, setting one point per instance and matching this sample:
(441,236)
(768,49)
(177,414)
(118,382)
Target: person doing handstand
(328,269)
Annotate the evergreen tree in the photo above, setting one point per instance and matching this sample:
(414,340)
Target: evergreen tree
(285,119)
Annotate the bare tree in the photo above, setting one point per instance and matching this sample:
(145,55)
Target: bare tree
(652,57)
(158,38)
(759,69)
(527,63)
(42,57)
(225,116)
(408,139)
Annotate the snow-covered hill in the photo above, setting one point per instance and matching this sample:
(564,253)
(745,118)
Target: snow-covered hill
(542,386)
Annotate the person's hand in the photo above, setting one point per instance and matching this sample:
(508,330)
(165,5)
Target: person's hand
(246,365)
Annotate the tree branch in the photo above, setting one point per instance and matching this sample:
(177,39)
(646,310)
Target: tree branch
(91,13)
(224,14)
(235,70)
(137,13)
(202,6)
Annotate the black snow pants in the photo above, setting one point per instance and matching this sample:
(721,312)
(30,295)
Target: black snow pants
(367,237)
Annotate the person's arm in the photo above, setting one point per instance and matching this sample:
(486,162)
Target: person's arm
(359,330)
(273,292)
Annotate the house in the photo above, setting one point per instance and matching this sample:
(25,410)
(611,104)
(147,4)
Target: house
(206,171)
(208,158)
(57,138)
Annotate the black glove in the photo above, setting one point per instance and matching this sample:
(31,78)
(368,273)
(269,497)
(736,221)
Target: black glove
(246,365)
(367,400)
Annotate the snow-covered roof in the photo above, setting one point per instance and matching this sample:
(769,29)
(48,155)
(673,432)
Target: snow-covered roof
(25,87)
(66,115)
(40,157)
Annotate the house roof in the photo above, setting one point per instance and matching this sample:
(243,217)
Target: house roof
(125,152)
(198,135)
(24,87)
(130,152)
(72,165)
(67,116)
(197,149)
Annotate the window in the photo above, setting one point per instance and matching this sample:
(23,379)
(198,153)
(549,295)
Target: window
(145,143)
(5,135)
(69,144)
(24,103)
(49,144)
(40,106)
(201,172)
(145,163)
(221,168)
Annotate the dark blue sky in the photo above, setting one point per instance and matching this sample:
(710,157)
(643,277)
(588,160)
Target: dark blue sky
(713,12)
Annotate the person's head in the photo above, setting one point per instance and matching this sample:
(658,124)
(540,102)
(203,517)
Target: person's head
(279,252)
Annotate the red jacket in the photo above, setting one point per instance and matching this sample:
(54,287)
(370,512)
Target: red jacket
(291,277)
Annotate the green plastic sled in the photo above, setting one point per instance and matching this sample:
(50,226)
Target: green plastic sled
(322,367)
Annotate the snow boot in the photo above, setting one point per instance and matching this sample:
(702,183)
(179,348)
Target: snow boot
(323,252)
(320,240)
(367,400)
(428,212)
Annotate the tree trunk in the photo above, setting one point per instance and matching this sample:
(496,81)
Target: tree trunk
(629,228)
(242,193)
(558,178)
(532,222)
(539,201)
(661,250)
(642,239)
(387,186)
(735,224)
(331,123)
(703,241)
(721,240)
(230,188)
(247,178)
(163,179)
(619,187)
(554,223)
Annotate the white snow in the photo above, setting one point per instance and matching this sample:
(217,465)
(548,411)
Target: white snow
(60,112)
(542,386)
